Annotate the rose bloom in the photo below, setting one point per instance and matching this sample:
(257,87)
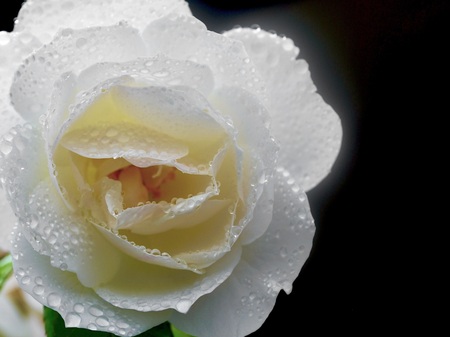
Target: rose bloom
(156,170)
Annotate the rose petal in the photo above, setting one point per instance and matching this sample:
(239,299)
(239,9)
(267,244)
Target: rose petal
(186,38)
(157,71)
(249,118)
(7,223)
(49,226)
(270,264)
(144,287)
(207,241)
(144,254)
(127,140)
(79,306)
(305,126)
(14,47)
(46,17)
(71,50)
(161,218)
(173,111)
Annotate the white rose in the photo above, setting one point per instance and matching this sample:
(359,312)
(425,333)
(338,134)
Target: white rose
(143,174)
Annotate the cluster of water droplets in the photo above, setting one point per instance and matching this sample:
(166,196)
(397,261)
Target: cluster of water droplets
(61,291)
(158,70)
(46,17)
(187,38)
(70,50)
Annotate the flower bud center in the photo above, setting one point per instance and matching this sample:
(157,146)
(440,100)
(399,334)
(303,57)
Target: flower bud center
(141,185)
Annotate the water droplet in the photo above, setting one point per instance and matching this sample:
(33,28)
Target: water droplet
(288,45)
(78,308)
(52,239)
(92,327)
(25,280)
(4,38)
(95,311)
(161,73)
(122,325)
(54,300)
(102,321)
(183,306)
(38,290)
(5,148)
(73,320)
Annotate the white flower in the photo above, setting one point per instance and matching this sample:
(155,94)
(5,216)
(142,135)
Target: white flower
(143,173)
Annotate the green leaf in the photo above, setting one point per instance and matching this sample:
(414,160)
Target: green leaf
(179,333)
(54,326)
(5,269)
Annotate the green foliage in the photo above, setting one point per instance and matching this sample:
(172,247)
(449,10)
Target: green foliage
(179,333)
(54,326)
(5,269)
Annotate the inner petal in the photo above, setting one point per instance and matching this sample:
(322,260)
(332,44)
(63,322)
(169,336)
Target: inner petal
(157,183)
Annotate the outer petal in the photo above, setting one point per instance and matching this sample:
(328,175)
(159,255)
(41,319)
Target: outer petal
(71,50)
(79,306)
(145,287)
(158,70)
(308,130)
(45,17)
(242,303)
(50,228)
(186,38)
(249,117)
(7,222)
(14,47)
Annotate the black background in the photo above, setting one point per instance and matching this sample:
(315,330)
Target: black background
(382,66)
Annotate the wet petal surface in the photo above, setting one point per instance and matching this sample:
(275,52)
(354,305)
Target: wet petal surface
(308,130)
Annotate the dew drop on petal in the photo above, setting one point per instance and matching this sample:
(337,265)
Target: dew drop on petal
(25,280)
(73,320)
(4,38)
(54,300)
(102,321)
(183,306)
(95,311)
(79,308)
(38,290)
(283,252)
